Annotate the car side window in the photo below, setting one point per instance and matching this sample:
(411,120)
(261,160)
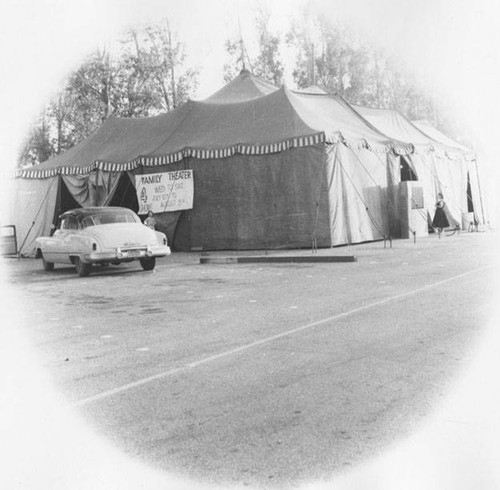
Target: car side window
(69,223)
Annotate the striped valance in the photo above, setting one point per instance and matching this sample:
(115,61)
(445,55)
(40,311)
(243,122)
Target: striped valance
(202,154)
(364,144)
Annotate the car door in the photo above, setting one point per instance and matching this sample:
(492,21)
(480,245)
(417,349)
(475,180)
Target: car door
(58,246)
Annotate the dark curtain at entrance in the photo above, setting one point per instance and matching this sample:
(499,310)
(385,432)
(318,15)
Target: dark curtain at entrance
(64,201)
(124,194)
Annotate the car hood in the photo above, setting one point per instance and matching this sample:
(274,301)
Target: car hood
(123,235)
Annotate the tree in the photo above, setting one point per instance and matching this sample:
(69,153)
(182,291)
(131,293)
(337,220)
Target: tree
(142,76)
(267,64)
(359,77)
(236,63)
(37,146)
(166,57)
(364,75)
(299,37)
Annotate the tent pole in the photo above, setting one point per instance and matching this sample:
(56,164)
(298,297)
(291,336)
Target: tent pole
(480,192)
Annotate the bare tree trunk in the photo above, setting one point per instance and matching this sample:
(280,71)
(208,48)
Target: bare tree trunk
(164,93)
(172,66)
(60,117)
(108,85)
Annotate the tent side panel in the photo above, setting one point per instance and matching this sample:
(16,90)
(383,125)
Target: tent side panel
(392,196)
(477,184)
(358,195)
(425,167)
(452,182)
(33,210)
(255,202)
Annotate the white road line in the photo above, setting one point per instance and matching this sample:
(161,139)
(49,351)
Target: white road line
(267,340)
(126,387)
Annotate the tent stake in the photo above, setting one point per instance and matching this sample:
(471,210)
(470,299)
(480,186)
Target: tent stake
(314,246)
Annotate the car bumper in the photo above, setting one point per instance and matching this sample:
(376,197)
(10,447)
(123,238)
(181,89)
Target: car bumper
(127,254)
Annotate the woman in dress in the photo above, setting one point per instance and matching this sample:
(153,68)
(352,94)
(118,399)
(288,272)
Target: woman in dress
(442,217)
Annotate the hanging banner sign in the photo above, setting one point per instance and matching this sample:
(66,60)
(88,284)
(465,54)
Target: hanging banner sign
(166,191)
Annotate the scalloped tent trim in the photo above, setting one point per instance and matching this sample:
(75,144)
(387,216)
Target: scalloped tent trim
(269,124)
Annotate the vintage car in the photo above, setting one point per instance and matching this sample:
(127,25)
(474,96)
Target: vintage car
(101,235)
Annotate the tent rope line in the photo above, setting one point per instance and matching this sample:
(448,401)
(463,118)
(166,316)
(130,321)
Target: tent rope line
(441,185)
(420,211)
(432,172)
(379,229)
(375,182)
(479,188)
(36,216)
(364,168)
(434,175)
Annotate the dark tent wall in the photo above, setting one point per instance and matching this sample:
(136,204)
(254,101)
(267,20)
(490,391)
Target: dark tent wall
(253,202)
(325,194)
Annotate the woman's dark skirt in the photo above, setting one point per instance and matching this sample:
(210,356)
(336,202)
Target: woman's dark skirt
(440,220)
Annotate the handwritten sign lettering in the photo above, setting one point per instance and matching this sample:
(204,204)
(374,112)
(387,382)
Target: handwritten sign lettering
(166,191)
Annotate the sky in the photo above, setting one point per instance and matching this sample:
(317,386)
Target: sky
(452,47)
(449,45)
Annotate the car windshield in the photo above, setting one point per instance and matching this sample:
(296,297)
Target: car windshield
(108,218)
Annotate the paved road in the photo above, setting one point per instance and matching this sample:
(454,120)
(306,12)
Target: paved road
(262,374)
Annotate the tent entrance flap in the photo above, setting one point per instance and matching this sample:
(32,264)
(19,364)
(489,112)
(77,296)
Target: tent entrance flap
(65,200)
(407,172)
(124,194)
(470,203)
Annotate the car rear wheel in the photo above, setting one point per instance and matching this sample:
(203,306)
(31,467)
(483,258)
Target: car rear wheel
(148,263)
(82,268)
(47,266)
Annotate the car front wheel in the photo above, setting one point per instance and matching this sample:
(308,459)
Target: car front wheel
(148,263)
(82,268)
(47,266)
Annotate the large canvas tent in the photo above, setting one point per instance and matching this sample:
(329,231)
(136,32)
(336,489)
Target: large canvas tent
(476,197)
(272,168)
(441,165)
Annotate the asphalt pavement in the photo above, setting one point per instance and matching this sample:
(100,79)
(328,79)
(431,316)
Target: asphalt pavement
(262,374)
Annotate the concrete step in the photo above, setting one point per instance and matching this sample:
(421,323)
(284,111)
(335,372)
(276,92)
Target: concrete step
(267,259)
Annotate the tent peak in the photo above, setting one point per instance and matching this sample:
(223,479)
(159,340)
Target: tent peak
(245,86)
